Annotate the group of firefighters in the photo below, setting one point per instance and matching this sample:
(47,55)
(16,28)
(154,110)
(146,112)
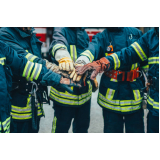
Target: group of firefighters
(128,59)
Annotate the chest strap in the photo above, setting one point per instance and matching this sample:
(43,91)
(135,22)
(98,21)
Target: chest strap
(123,75)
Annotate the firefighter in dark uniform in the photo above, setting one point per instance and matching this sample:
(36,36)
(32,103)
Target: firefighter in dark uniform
(146,47)
(25,43)
(10,63)
(120,99)
(67,44)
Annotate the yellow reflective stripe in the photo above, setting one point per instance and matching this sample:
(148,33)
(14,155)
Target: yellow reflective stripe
(27,69)
(134,66)
(106,54)
(110,93)
(113,80)
(6,123)
(116,61)
(31,57)
(2,60)
(137,95)
(88,54)
(147,66)
(153,60)
(57,46)
(139,51)
(54,125)
(73,52)
(153,103)
(36,72)
(119,108)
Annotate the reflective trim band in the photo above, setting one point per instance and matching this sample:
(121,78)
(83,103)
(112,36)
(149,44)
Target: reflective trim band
(88,54)
(147,66)
(153,103)
(21,109)
(27,69)
(31,57)
(137,95)
(134,66)
(36,72)
(153,60)
(57,46)
(54,125)
(2,61)
(119,102)
(73,52)
(113,80)
(110,93)
(116,61)
(106,54)
(118,108)
(6,124)
(139,51)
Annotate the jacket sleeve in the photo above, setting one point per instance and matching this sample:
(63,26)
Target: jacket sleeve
(13,43)
(135,53)
(96,47)
(22,67)
(59,40)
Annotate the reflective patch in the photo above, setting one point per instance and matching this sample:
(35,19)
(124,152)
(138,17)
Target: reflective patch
(139,51)
(36,72)
(54,125)
(153,60)
(27,69)
(134,66)
(57,46)
(113,80)
(73,52)
(137,95)
(153,103)
(88,54)
(2,61)
(110,93)
(31,57)
(116,61)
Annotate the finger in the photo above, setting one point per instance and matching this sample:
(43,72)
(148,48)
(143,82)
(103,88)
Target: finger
(67,67)
(69,72)
(78,78)
(63,66)
(94,74)
(75,77)
(71,66)
(60,66)
(72,74)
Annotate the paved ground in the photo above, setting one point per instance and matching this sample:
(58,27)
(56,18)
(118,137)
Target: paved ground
(96,123)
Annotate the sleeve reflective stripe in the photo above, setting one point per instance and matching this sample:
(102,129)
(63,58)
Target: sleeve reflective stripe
(116,61)
(36,71)
(57,46)
(134,66)
(89,55)
(153,103)
(110,93)
(6,124)
(27,69)
(2,60)
(54,124)
(139,51)
(147,66)
(106,54)
(73,52)
(30,57)
(137,95)
(153,60)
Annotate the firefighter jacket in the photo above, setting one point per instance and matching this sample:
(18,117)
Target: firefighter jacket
(146,47)
(10,63)
(29,46)
(117,96)
(75,40)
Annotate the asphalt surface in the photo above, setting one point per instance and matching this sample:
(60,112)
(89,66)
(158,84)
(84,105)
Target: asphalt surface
(96,121)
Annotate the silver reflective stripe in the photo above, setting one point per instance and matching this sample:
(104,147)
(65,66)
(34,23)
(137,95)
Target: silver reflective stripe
(28,68)
(57,46)
(110,94)
(38,67)
(21,109)
(153,103)
(116,61)
(6,123)
(136,94)
(153,60)
(74,54)
(31,57)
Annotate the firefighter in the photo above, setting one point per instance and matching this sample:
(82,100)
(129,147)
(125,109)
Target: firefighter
(65,48)
(118,97)
(24,41)
(11,63)
(146,47)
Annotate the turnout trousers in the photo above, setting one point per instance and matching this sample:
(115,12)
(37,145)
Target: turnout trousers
(63,118)
(114,122)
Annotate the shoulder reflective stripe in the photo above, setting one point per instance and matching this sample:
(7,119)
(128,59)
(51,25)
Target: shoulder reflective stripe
(153,60)
(137,95)
(73,52)
(2,60)
(88,54)
(116,61)
(118,108)
(31,57)
(54,124)
(36,72)
(119,102)
(139,51)
(153,103)
(134,66)
(110,93)
(113,80)
(57,46)
(27,69)
(6,123)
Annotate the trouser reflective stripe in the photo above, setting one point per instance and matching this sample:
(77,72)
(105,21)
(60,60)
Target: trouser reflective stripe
(36,71)
(31,57)
(57,46)
(110,93)
(134,66)
(137,95)
(153,103)
(153,60)
(54,125)
(88,54)
(2,60)
(27,69)
(118,108)
(139,51)
(116,61)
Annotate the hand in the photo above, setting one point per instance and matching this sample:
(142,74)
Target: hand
(66,64)
(95,67)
